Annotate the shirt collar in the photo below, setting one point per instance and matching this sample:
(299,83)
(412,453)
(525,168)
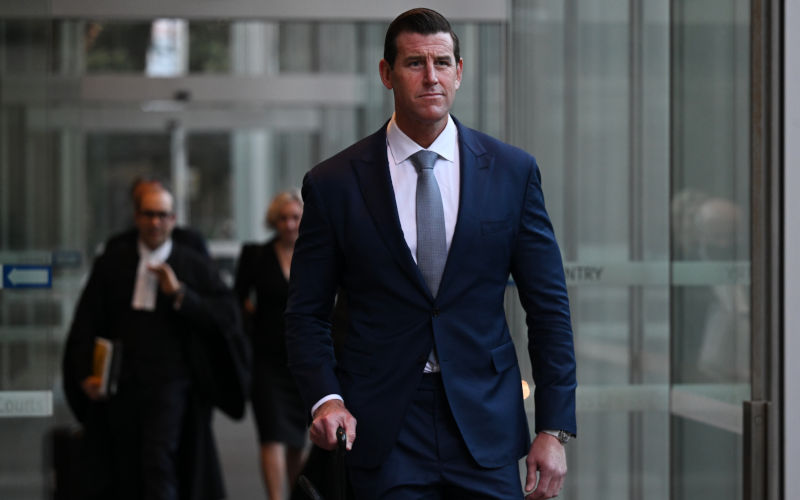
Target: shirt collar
(402,146)
(157,255)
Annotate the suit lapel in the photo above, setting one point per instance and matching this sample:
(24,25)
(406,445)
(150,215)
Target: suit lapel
(475,167)
(372,174)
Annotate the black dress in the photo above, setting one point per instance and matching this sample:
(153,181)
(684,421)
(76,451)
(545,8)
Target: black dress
(277,405)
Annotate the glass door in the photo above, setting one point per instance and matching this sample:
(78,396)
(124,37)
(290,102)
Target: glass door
(229,111)
(639,115)
(636,110)
(710,249)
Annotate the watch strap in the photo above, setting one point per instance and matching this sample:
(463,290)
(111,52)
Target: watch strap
(562,436)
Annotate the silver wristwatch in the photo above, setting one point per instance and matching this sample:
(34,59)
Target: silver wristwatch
(562,436)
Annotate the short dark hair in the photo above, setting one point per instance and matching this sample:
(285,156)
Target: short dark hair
(422,21)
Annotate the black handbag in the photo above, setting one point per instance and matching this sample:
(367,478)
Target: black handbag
(324,475)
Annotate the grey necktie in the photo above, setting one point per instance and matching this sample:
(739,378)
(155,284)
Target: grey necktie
(431,239)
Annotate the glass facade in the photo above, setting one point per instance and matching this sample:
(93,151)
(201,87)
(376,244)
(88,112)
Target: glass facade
(637,112)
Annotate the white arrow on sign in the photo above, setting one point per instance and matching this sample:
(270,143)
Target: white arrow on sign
(29,277)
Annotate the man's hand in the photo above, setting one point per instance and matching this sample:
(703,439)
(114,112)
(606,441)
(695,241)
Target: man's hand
(167,280)
(329,417)
(547,456)
(91,386)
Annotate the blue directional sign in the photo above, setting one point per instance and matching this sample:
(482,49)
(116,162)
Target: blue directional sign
(26,276)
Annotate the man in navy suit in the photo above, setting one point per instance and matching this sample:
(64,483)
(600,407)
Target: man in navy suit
(427,376)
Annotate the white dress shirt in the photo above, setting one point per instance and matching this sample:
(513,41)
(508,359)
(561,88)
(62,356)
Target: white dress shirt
(399,148)
(145,289)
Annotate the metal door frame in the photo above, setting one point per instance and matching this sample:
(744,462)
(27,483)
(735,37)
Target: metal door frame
(763,431)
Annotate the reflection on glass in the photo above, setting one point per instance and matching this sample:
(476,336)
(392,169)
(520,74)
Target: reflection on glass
(710,368)
(713,230)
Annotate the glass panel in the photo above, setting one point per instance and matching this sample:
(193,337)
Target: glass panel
(210,189)
(27,46)
(70,151)
(639,122)
(590,93)
(209,47)
(124,47)
(33,278)
(116,47)
(710,226)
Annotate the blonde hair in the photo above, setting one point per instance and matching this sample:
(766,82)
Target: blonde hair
(281,199)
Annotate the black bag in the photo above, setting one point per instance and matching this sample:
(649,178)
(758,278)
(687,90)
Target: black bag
(324,476)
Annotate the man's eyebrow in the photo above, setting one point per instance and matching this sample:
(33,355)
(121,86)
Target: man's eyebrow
(417,57)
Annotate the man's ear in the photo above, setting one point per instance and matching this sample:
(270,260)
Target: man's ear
(386,73)
(459,70)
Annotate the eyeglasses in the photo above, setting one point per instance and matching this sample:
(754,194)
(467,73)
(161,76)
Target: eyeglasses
(150,214)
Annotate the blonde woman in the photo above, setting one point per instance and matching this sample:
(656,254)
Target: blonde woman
(262,281)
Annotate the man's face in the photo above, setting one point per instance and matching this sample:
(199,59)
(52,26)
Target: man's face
(424,79)
(154,218)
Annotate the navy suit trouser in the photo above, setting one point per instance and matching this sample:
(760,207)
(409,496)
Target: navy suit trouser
(431,461)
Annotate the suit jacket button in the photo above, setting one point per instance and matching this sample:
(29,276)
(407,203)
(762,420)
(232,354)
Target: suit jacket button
(435,313)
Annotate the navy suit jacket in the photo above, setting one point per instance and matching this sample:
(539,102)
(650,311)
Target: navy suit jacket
(350,236)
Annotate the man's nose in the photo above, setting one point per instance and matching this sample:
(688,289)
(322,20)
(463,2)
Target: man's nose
(430,72)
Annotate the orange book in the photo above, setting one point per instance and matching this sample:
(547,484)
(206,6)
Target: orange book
(105,364)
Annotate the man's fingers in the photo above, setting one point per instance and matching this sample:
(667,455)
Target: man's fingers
(547,457)
(328,420)
(91,386)
(350,430)
(543,488)
(166,277)
(530,481)
(323,433)
(319,437)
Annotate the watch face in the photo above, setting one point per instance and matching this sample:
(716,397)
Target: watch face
(563,436)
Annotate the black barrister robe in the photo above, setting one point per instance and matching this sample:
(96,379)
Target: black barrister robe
(202,341)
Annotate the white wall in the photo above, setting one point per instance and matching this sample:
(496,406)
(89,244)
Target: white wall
(792,250)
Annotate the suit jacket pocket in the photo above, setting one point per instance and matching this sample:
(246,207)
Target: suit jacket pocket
(495,226)
(504,357)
